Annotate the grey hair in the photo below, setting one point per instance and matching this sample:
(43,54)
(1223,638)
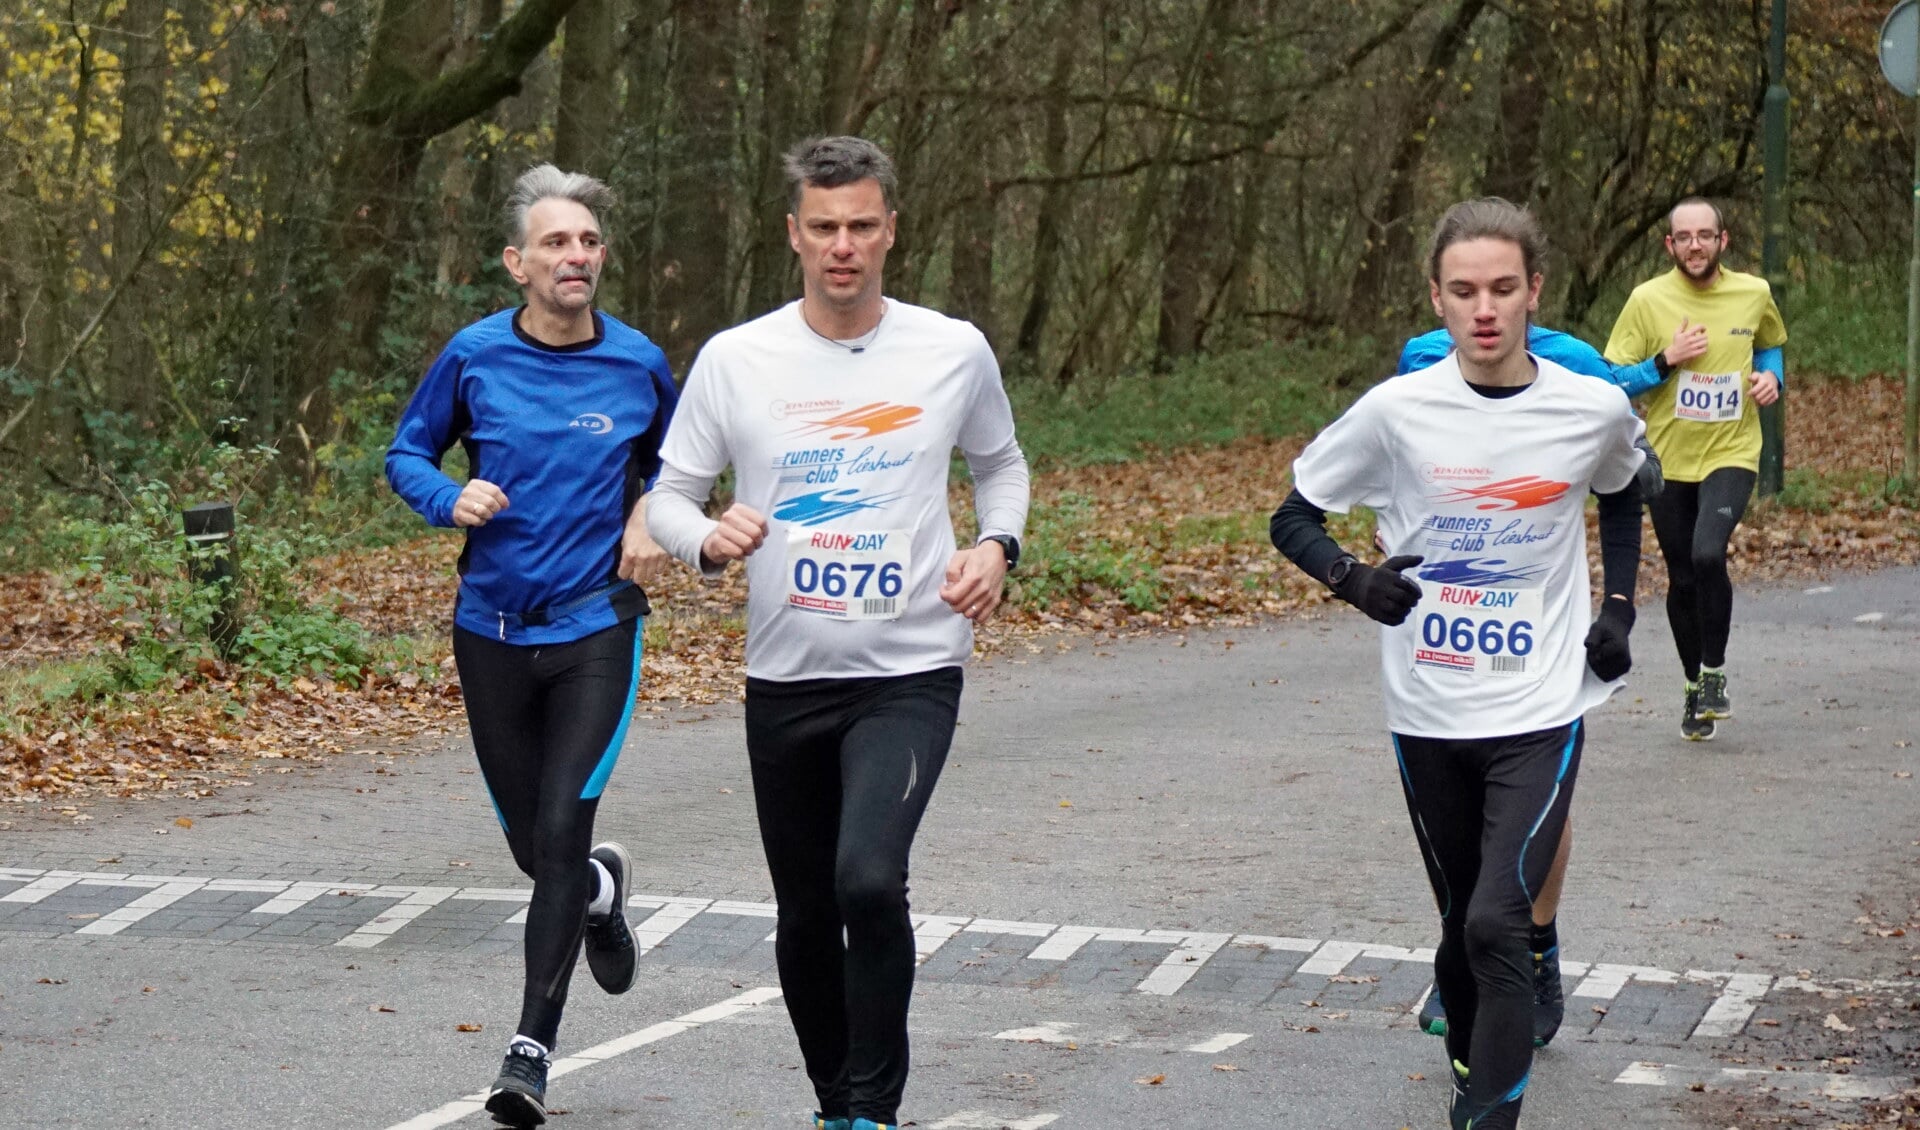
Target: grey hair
(544,182)
(829,162)
(1489,217)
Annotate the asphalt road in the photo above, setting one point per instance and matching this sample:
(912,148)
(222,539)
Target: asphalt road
(1168,882)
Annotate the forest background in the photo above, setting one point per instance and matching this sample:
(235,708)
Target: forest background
(233,234)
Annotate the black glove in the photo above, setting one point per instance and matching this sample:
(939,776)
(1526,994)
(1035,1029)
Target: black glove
(1607,653)
(1650,476)
(1380,591)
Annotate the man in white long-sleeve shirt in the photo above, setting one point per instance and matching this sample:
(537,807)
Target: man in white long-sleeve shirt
(839,414)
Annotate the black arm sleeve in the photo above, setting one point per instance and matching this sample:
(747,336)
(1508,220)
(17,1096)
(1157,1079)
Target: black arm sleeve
(1620,541)
(1299,532)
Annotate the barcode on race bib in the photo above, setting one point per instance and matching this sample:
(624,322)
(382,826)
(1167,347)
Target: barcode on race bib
(880,607)
(1508,664)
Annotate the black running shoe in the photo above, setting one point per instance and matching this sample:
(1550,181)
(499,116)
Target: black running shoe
(1458,1116)
(1713,695)
(1549,1007)
(1695,726)
(519,1096)
(1433,1014)
(613,953)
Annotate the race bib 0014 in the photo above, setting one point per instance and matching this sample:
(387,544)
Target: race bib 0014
(1484,632)
(849,574)
(1707,398)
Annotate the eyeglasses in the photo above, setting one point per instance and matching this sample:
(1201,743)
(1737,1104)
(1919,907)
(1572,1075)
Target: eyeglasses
(1687,239)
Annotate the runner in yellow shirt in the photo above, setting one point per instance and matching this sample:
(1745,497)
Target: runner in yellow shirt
(1715,337)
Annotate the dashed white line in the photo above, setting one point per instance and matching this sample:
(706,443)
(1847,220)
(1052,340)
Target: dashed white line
(1734,1006)
(661,924)
(931,931)
(1870,617)
(414,901)
(1045,1032)
(1646,1074)
(981,1120)
(473,1104)
(1332,958)
(1220,1043)
(1180,965)
(300,894)
(163,894)
(51,882)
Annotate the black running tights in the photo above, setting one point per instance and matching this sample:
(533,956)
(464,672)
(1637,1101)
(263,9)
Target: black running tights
(842,772)
(548,722)
(1489,814)
(1694,522)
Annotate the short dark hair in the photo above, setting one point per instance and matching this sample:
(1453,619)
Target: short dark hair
(829,162)
(1719,217)
(1489,217)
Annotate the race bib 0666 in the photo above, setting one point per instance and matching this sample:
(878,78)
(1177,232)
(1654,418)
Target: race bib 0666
(1708,398)
(848,574)
(1485,632)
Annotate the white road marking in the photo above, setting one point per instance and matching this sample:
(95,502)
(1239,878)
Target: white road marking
(661,924)
(414,901)
(1068,940)
(1734,1006)
(1604,980)
(931,931)
(1261,941)
(1818,589)
(1018,929)
(1220,1043)
(1870,617)
(981,1120)
(600,1053)
(1046,1032)
(1180,965)
(1646,1074)
(1332,958)
(249,886)
(163,894)
(300,894)
(51,882)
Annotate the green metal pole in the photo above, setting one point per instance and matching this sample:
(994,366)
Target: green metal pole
(1912,462)
(1773,255)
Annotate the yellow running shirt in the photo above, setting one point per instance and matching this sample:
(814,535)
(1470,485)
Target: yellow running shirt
(1699,419)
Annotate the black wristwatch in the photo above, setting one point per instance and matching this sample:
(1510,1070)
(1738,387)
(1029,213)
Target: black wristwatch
(1009,545)
(1338,571)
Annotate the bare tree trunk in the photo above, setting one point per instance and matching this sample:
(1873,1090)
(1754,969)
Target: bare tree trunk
(587,116)
(1513,169)
(693,293)
(911,156)
(1199,240)
(1390,234)
(1053,202)
(142,169)
(846,47)
(770,260)
(403,101)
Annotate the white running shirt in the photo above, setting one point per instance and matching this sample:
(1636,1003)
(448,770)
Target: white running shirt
(846,454)
(1492,493)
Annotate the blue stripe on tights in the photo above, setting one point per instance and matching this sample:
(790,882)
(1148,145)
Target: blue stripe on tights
(602,771)
(1566,759)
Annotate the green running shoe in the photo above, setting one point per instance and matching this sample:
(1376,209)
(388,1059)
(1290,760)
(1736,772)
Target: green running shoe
(1713,695)
(1549,1006)
(1695,726)
(1433,1014)
(822,1122)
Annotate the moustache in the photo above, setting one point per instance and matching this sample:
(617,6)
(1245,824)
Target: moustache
(571,275)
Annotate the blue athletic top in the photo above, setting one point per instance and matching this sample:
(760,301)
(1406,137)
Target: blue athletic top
(571,435)
(1562,349)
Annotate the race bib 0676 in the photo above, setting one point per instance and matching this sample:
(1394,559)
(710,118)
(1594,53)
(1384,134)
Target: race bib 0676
(1708,398)
(848,574)
(1485,632)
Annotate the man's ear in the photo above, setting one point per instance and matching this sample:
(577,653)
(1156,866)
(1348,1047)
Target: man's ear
(1433,294)
(511,258)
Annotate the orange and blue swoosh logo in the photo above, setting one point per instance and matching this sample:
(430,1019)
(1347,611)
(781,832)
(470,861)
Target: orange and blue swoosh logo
(864,422)
(1523,493)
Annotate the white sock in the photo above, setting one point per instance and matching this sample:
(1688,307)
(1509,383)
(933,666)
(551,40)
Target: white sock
(527,1045)
(1713,670)
(602,903)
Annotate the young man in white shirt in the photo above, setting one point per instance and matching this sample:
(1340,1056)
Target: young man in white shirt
(1478,469)
(839,414)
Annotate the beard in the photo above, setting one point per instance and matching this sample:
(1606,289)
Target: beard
(1712,267)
